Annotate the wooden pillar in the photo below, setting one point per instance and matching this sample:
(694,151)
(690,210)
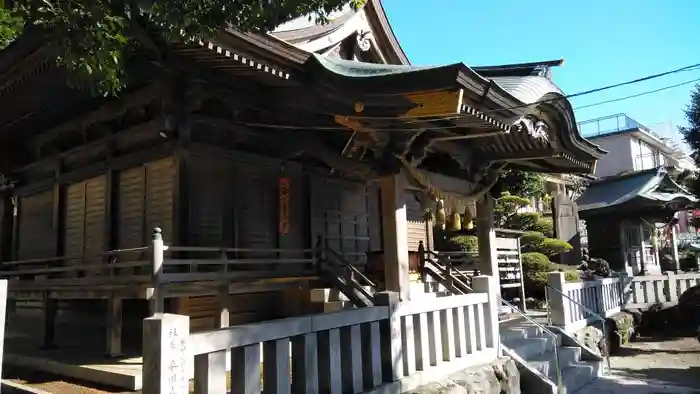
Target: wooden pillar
(154,293)
(6,224)
(50,311)
(113,330)
(674,248)
(486,234)
(642,250)
(395,235)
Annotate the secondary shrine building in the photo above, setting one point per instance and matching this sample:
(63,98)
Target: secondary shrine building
(260,150)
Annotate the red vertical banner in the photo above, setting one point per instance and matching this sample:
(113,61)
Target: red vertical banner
(284,192)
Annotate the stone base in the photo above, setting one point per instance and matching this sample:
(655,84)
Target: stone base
(592,338)
(499,377)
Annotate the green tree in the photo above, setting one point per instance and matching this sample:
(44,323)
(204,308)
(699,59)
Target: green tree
(96,38)
(10,27)
(520,183)
(691,135)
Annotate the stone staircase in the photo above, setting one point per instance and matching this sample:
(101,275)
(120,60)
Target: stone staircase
(533,350)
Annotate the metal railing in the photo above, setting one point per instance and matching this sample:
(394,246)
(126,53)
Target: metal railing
(559,382)
(608,124)
(586,309)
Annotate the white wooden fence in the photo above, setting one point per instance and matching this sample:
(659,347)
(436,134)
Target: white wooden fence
(395,346)
(568,301)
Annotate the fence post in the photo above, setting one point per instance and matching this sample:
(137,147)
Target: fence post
(671,287)
(558,304)
(622,283)
(155,293)
(488,285)
(165,354)
(390,334)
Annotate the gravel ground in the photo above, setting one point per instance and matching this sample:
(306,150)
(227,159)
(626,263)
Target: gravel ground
(653,365)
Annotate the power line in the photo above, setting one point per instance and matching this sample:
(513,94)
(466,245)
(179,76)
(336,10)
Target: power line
(638,94)
(692,67)
(607,87)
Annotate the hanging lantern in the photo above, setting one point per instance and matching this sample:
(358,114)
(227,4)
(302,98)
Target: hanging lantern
(468,219)
(440,217)
(455,221)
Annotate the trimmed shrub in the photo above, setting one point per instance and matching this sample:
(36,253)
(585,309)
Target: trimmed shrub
(536,266)
(572,276)
(466,243)
(552,247)
(535,262)
(524,221)
(544,226)
(531,240)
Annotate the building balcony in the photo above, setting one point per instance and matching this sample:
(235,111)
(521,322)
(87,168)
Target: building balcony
(609,124)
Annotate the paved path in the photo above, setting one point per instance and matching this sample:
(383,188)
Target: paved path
(653,366)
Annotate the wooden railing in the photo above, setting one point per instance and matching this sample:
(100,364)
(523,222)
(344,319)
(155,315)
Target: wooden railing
(399,346)
(608,296)
(123,265)
(159,265)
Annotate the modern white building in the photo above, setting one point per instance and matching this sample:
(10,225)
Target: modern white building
(632,146)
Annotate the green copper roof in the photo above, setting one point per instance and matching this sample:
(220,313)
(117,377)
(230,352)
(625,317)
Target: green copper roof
(651,186)
(351,68)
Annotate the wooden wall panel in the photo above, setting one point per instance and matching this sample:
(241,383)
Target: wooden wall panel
(36,235)
(236,202)
(74,221)
(131,198)
(210,221)
(160,191)
(340,215)
(145,201)
(84,219)
(374,201)
(417,229)
(243,308)
(256,208)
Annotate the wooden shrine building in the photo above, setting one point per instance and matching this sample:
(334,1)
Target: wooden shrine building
(623,214)
(255,146)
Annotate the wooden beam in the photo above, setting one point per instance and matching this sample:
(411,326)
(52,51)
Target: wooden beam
(547,153)
(151,126)
(105,112)
(434,103)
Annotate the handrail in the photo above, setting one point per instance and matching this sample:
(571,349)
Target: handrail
(355,271)
(449,272)
(560,385)
(448,264)
(586,309)
(52,259)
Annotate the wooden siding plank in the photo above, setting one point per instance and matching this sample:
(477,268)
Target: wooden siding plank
(340,215)
(130,207)
(36,227)
(84,220)
(160,189)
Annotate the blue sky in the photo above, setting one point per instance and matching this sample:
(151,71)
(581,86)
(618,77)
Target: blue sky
(602,41)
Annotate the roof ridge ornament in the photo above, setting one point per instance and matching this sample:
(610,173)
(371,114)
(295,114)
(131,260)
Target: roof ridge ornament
(364,38)
(534,126)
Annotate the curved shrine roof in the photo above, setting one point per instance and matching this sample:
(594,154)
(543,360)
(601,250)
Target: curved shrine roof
(653,187)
